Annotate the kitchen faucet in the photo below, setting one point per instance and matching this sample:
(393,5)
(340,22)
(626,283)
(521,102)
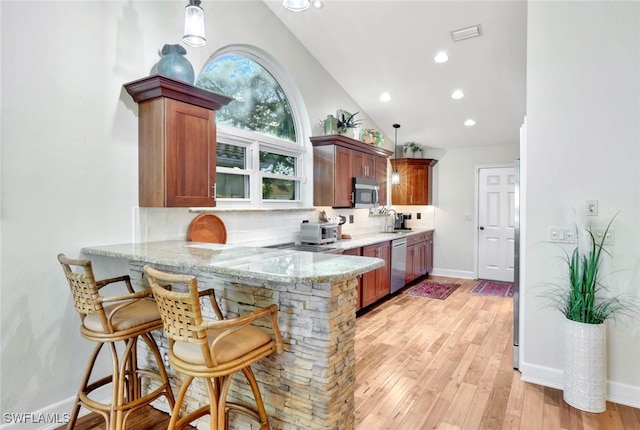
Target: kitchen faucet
(386,219)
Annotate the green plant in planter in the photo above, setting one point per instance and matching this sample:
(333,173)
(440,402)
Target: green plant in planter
(582,300)
(411,147)
(346,122)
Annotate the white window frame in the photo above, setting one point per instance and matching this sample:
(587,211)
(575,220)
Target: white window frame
(256,142)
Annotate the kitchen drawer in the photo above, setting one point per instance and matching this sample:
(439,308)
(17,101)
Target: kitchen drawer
(415,238)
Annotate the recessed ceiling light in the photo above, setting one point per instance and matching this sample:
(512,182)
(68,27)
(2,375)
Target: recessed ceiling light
(318,4)
(457,94)
(385,97)
(441,57)
(469,123)
(296,5)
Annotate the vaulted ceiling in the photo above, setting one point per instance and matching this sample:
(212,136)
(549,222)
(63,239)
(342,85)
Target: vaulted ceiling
(371,47)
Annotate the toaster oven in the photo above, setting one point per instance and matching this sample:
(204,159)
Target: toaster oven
(318,233)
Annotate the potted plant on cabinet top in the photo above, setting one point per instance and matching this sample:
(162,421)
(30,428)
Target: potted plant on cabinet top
(347,123)
(410,148)
(586,309)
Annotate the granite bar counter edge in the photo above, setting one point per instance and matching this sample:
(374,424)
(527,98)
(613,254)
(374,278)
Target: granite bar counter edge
(311,384)
(267,264)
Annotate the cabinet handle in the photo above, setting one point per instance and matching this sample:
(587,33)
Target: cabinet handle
(215,189)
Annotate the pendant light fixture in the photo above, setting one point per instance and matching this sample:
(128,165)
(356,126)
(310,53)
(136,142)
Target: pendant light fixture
(395,175)
(296,5)
(194,24)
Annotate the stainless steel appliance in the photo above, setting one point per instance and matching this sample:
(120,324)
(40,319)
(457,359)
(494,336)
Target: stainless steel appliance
(398,263)
(365,193)
(516,269)
(318,233)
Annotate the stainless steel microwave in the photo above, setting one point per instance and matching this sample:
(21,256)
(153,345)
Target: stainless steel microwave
(365,193)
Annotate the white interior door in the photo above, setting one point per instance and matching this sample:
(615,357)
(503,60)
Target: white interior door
(496,223)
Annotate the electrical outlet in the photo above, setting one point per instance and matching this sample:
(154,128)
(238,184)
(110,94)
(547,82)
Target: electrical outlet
(610,238)
(418,215)
(561,235)
(350,219)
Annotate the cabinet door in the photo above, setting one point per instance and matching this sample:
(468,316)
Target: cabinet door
(381,177)
(369,166)
(418,184)
(429,253)
(357,164)
(369,279)
(343,175)
(384,273)
(363,165)
(190,139)
(411,263)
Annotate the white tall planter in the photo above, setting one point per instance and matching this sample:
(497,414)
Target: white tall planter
(585,366)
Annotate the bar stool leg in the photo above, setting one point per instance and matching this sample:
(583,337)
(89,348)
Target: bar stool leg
(83,386)
(153,347)
(213,404)
(264,420)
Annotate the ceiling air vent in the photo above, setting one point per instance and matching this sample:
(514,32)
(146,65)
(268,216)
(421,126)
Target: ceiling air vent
(466,33)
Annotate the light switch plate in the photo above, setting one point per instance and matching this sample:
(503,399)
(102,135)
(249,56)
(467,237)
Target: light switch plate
(592,207)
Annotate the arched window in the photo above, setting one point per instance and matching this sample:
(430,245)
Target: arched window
(259,151)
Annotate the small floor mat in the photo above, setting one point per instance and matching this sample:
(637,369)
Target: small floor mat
(493,288)
(432,289)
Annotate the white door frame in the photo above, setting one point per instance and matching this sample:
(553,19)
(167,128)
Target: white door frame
(476,226)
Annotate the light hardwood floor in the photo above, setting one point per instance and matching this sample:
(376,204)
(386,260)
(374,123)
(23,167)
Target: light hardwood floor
(444,364)
(448,364)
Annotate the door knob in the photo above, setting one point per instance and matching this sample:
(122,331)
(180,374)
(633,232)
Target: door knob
(481,228)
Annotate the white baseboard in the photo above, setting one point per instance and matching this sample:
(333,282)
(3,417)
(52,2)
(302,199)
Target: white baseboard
(462,274)
(49,417)
(617,392)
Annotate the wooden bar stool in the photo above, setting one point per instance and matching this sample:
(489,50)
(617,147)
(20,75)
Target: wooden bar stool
(213,350)
(109,320)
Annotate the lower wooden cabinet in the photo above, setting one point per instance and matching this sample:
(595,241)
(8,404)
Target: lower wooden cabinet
(377,283)
(419,255)
(374,285)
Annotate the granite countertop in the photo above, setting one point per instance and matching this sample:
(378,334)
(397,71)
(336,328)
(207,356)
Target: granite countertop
(372,238)
(267,264)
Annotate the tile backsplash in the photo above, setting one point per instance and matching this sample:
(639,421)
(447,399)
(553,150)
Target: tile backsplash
(264,227)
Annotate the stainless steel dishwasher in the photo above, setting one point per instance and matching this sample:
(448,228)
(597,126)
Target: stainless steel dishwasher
(398,263)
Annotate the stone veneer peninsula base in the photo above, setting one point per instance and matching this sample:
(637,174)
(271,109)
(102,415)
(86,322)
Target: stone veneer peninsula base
(310,385)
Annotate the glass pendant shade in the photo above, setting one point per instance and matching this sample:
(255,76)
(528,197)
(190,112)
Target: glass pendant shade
(194,24)
(296,5)
(395,175)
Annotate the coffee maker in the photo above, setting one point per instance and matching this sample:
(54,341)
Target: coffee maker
(400,222)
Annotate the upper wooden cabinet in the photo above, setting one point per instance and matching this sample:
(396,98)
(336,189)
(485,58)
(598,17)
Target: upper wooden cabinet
(337,160)
(415,181)
(176,142)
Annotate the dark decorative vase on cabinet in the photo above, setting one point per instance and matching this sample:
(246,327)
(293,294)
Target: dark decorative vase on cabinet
(173,64)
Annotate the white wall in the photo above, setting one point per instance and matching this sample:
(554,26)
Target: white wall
(454,196)
(69,157)
(583,142)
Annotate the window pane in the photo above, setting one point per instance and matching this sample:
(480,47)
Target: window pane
(277,163)
(278,189)
(230,156)
(259,103)
(230,186)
